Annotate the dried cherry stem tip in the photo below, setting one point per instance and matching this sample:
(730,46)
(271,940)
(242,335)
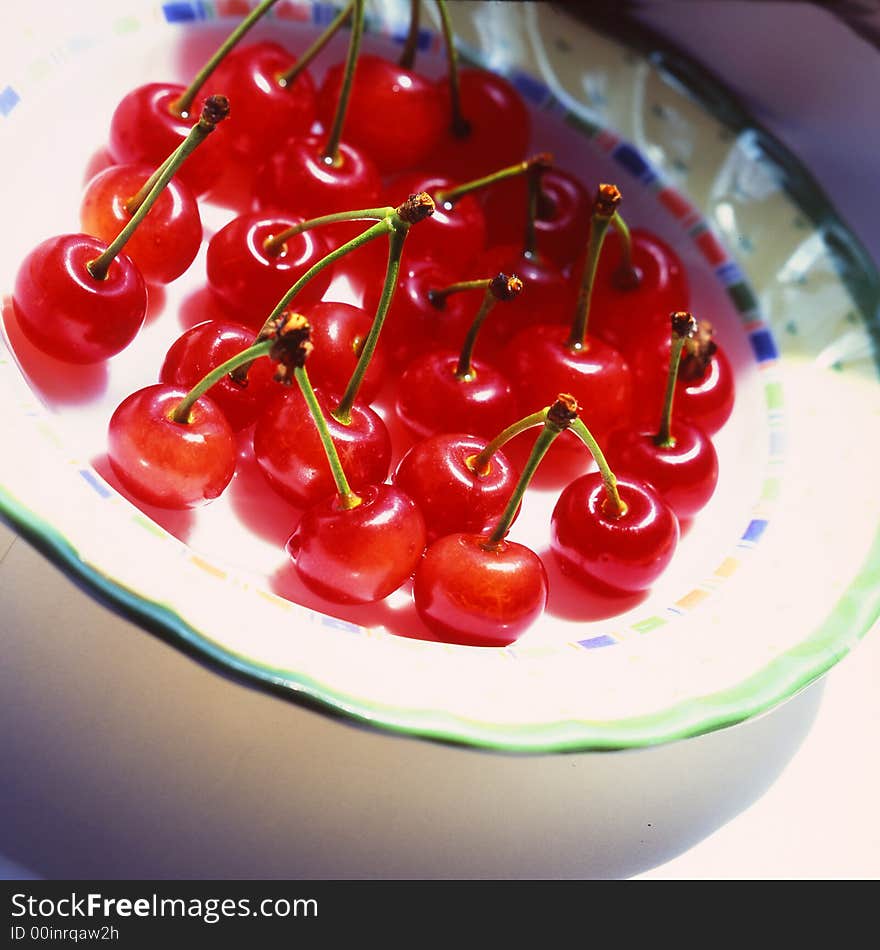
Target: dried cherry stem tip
(684,327)
(556,418)
(604,209)
(613,506)
(500,287)
(214,111)
(182,104)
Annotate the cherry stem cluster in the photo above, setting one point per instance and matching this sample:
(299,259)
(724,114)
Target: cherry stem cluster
(216,109)
(555,419)
(184,101)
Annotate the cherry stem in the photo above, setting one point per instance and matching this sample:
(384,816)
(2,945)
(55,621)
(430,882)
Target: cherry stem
(408,53)
(479,463)
(617,504)
(377,230)
(216,109)
(459,125)
(290,77)
(606,201)
(438,297)
(181,412)
(627,276)
(135,201)
(274,244)
(347,497)
(447,197)
(331,149)
(556,419)
(683,327)
(530,240)
(184,101)
(342,413)
(500,287)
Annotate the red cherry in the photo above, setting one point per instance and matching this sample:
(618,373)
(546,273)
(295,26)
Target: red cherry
(266,112)
(432,398)
(146,129)
(288,449)
(251,280)
(625,316)
(69,314)
(203,348)
(624,553)
(414,325)
(469,593)
(454,234)
(395,115)
(562,223)
(547,297)
(450,492)
(598,377)
(684,474)
(358,555)
(299,180)
(499,127)
(338,334)
(705,401)
(167,463)
(166,241)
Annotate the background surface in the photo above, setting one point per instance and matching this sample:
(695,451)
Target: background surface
(215,779)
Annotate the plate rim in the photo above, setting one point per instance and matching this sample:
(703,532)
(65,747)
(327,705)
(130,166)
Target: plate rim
(782,678)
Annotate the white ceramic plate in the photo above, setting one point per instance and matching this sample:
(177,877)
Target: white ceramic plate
(772,583)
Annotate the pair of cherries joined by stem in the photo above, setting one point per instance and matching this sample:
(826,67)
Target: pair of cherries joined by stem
(81,299)
(482,589)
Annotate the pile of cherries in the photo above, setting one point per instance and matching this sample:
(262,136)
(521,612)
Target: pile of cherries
(491,304)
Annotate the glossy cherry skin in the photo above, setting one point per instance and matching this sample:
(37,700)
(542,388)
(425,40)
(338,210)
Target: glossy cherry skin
(432,399)
(546,297)
(394,115)
(358,555)
(628,317)
(298,180)
(289,451)
(166,241)
(249,280)
(684,474)
(338,334)
(144,129)
(167,463)
(265,112)
(500,127)
(203,348)
(414,325)
(468,594)
(706,402)
(450,493)
(66,312)
(562,224)
(598,377)
(626,553)
(454,234)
